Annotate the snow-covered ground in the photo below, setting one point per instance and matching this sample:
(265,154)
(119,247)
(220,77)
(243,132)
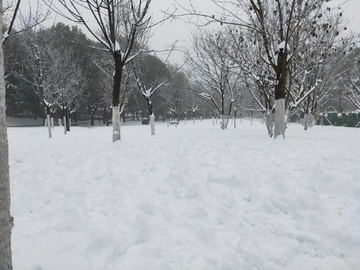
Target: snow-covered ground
(191,197)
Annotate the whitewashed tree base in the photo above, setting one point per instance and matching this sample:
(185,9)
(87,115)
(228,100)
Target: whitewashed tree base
(279,118)
(269,122)
(152,124)
(65,130)
(49,125)
(116,124)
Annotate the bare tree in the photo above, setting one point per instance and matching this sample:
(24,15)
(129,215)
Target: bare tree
(52,70)
(123,25)
(352,79)
(215,75)
(148,73)
(38,18)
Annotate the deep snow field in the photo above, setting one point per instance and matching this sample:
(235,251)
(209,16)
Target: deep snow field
(191,197)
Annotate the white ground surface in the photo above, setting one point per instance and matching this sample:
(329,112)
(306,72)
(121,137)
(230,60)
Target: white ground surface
(191,197)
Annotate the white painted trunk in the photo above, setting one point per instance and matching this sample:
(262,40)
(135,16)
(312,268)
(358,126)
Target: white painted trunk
(116,124)
(168,123)
(185,120)
(69,122)
(269,122)
(59,122)
(176,122)
(152,124)
(64,119)
(6,221)
(213,121)
(311,120)
(305,122)
(49,125)
(234,122)
(224,121)
(52,122)
(193,120)
(302,121)
(46,123)
(201,118)
(279,118)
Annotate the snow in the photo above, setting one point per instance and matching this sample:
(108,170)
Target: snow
(191,197)
(117,46)
(281,46)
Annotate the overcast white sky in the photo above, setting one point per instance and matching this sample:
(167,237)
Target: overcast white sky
(166,34)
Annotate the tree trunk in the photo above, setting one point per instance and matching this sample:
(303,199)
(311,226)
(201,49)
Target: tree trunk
(6,221)
(269,121)
(279,118)
(116,97)
(104,116)
(67,117)
(49,124)
(116,123)
(235,119)
(64,119)
(152,124)
(92,120)
(280,94)
(306,121)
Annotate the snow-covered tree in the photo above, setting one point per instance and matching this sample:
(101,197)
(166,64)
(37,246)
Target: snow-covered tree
(275,25)
(123,25)
(150,74)
(315,69)
(352,79)
(214,74)
(52,69)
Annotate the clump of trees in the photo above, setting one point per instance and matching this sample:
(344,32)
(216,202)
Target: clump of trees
(287,53)
(60,71)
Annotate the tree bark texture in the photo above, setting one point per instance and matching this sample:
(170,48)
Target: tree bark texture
(6,221)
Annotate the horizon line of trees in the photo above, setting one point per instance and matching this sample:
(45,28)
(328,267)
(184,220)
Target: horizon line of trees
(229,71)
